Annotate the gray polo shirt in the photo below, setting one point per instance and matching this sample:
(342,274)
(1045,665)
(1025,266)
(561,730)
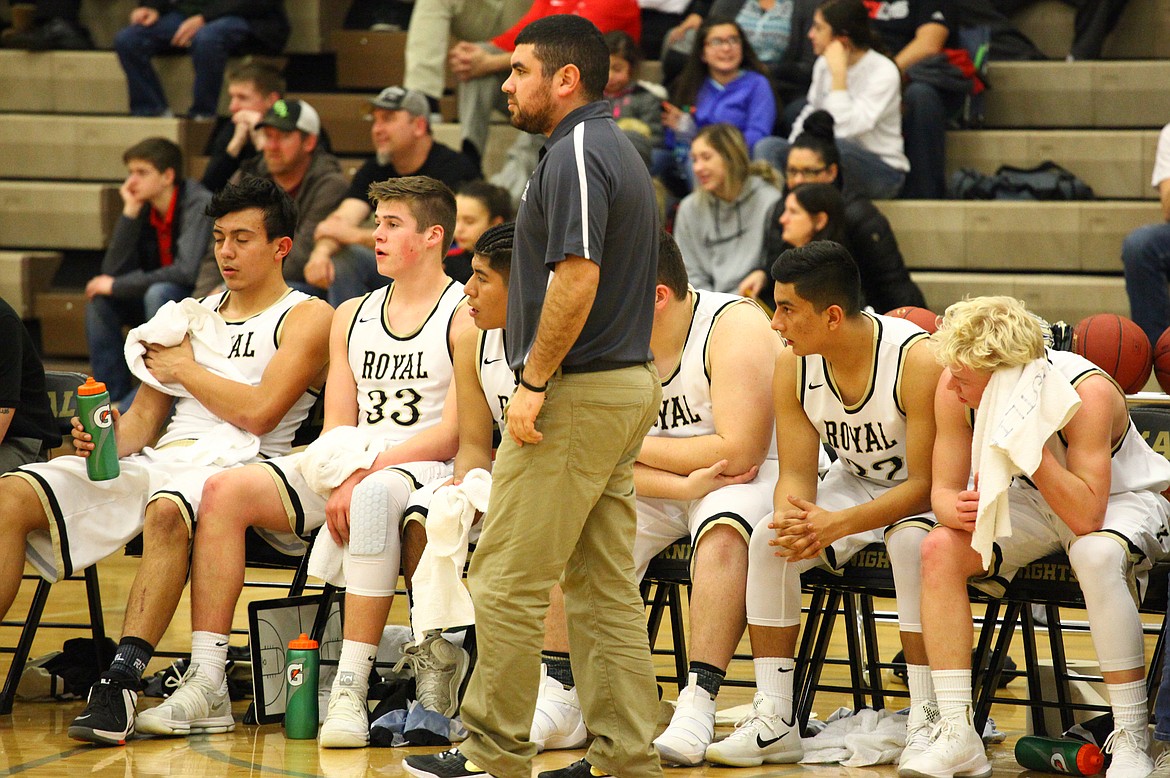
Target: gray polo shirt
(590,196)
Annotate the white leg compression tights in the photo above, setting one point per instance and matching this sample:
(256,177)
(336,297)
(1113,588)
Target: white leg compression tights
(773,584)
(903,547)
(1102,567)
(374,553)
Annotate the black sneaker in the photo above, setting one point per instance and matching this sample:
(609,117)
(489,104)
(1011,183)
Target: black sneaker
(445,764)
(108,718)
(579,769)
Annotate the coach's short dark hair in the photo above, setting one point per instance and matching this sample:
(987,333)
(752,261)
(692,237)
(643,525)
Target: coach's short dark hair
(280,213)
(672,271)
(163,154)
(822,272)
(430,201)
(495,245)
(566,39)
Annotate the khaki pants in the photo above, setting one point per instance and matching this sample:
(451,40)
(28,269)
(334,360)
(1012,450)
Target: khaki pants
(433,23)
(564,510)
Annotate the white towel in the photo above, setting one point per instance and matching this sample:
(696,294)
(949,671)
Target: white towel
(440,598)
(1021,408)
(869,737)
(210,342)
(327,559)
(223,445)
(335,455)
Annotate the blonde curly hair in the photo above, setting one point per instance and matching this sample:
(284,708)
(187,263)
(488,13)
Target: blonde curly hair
(988,333)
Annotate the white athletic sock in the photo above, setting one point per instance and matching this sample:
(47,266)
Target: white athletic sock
(774,680)
(209,651)
(353,668)
(921,686)
(952,689)
(1128,701)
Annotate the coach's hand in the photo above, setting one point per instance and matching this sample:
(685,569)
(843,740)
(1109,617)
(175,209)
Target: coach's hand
(523,409)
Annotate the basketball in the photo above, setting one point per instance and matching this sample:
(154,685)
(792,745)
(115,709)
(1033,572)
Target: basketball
(923,317)
(1162,361)
(1116,345)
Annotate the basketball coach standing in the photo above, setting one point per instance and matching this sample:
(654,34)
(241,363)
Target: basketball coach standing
(580,305)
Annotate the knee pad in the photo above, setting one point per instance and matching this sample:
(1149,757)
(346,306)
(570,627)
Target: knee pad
(375,509)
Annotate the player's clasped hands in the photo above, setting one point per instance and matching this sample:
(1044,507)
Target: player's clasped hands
(796,533)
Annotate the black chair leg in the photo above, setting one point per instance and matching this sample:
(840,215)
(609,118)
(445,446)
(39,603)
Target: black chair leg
(20,655)
(97,622)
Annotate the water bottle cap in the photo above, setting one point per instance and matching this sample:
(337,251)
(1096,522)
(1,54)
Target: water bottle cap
(303,642)
(1090,760)
(91,387)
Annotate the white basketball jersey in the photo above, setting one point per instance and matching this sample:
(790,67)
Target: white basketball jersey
(495,377)
(402,379)
(686,410)
(869,436)
(252,345)
(1135,466)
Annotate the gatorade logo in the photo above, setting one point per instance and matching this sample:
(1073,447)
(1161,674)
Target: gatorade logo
(102,416)
(296,674)
(1058,763)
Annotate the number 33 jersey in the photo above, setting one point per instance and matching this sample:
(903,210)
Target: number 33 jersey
(870,435)
(402,378)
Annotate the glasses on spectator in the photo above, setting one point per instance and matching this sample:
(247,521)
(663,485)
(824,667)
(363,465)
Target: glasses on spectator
(793,172)
(730,40)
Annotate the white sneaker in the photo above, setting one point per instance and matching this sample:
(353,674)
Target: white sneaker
(1130,754)
(956,751)
(194,707)
(439,669)
(919,729)
(1162,765)
(347,720)
(760,737)
(557,722)
(691,728)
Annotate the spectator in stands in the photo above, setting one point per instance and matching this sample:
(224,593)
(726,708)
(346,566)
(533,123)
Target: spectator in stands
(775,28)
(342,259)
(432,25)
(1095,19)
(720,226)
(27,427)
(1146,255)
(253,88)
(938,77)
(481,67)
(1093,492)
(637,109)
(862,89)
(479,206)
(311,176)
(814,158)
(55,25)
(153,256)
(211,29)
(722,82)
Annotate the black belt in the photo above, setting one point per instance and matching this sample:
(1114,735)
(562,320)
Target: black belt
(595,366)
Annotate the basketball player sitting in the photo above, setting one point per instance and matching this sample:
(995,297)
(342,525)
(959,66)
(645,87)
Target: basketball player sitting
(861,384)
(63,522)
(706,472)
(1094,494)
(389,375)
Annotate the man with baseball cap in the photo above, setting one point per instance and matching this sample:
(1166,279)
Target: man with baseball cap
(342,259)
(309,174)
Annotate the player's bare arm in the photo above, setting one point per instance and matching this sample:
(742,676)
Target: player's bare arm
(743,351)
(652,482)
(134,430)
(299,363)
(341,405)
(475,417)
(954,505)
(799,449)
(1079,492)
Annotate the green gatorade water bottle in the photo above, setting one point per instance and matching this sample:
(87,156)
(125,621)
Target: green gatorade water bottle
(1055,755)
(97,418)
(301,671)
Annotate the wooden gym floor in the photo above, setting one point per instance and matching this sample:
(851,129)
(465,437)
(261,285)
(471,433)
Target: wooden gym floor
(33,740)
